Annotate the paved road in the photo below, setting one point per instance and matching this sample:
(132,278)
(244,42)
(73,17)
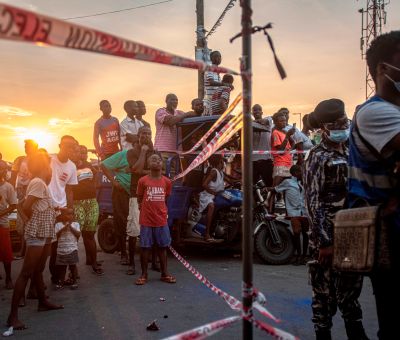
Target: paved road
(112,307)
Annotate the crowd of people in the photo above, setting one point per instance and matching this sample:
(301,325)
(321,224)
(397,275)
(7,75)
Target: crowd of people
(355,161)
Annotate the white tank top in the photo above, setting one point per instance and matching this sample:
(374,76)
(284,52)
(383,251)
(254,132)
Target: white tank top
(218,184)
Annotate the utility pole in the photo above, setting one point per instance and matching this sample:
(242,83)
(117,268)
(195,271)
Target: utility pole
(247,147)
(373,17)
(200,44)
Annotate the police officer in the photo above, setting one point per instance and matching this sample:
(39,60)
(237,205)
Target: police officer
(325,193)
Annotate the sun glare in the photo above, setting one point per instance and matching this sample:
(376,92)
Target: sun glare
(44,138)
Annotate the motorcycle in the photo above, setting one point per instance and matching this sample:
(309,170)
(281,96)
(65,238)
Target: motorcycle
(272,235)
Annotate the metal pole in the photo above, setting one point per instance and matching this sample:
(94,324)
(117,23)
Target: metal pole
(200,44)
(247,172)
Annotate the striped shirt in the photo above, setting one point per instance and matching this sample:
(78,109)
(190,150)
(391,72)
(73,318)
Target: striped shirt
(165,139)
(370,178)
(222,92)
(209,90)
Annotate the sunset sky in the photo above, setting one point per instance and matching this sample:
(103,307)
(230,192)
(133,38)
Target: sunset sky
(47,92)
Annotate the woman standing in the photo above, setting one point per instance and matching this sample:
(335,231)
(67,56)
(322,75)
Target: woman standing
(39,232)
(86,208)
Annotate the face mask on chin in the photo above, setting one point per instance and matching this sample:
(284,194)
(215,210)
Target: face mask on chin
(338,136)
(395,83)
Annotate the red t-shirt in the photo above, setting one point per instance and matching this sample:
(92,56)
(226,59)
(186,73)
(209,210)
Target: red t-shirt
(153,210)
(280,159)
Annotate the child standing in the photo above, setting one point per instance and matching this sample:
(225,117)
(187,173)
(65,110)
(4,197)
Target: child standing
(8,203)
(68,234)
(295,209)
(152,192)
(212,184)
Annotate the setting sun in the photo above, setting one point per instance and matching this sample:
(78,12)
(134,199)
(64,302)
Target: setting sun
(44,138)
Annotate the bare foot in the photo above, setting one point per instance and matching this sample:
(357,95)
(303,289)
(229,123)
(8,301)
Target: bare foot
(16,324)
(9,285)
(46,306)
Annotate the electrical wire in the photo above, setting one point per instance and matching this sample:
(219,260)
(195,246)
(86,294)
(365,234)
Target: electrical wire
(118,11)
(221,17)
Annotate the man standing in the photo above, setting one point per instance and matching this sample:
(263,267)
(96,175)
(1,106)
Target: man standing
(262,164)
(325,193)
(115,168)
(373,169)
(137,159)
(212,82)
(141,112)
(130,125)
(166,120)
(63,178)
(20,176)
(107,127)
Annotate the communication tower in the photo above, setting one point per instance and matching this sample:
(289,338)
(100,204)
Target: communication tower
(373,17)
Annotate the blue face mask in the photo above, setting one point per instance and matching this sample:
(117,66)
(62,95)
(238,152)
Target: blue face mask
(338,136)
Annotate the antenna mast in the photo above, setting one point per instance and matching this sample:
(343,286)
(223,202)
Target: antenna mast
(373,17)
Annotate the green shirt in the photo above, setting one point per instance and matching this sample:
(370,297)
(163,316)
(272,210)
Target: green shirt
(118,164)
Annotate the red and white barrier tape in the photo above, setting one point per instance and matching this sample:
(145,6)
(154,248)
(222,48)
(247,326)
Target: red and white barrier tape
(219,139)
(238,152)
(23,25)
(236,305)
(219,121)
(206,330)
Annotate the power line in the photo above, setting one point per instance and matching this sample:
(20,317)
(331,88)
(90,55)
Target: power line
(219,21)
(118,11)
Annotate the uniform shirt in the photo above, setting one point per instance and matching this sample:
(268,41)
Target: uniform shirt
(63,174)
(7,197)
(129,125)
(165,139)
(325,190)
(108,129)
(294,196)
(378,122)
(153,192)
(118,163)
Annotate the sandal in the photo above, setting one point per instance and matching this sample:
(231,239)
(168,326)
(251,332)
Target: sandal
(168,279)
(141,281)
(98,271)
(131,271)
(124,261)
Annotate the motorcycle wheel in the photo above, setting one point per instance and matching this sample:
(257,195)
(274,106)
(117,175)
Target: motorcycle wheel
(107,236)
(272,253)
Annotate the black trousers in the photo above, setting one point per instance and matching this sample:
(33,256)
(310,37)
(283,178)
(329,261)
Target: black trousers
(120,202)
(263,169)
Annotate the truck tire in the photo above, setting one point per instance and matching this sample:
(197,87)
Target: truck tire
(271,253)
(107,236)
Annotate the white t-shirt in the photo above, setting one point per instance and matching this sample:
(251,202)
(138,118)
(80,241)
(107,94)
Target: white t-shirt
(131,126)
(67,242)
(63,174)
(378,122)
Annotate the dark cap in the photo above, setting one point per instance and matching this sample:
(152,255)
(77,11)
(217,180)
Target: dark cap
(327,111)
